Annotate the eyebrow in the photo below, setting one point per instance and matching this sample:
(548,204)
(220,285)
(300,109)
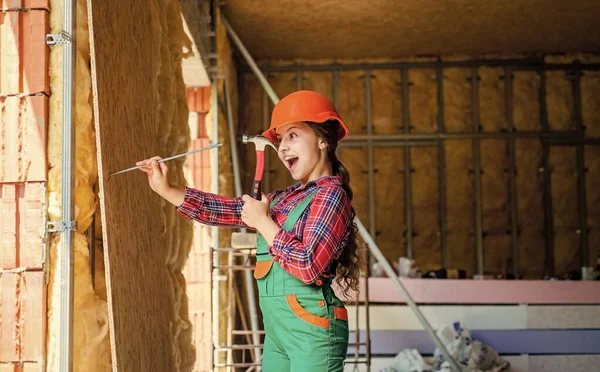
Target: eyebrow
(279,135)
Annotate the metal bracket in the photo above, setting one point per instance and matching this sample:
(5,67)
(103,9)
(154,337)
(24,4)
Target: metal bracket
(59,226)
(62,38)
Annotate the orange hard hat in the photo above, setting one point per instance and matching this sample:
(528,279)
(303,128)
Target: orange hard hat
(304,105)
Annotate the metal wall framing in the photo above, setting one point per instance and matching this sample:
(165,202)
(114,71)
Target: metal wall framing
(407,140)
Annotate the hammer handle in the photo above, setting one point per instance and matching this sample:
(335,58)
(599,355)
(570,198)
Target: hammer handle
(260,167)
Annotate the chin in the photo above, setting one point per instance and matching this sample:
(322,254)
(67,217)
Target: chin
(297,176)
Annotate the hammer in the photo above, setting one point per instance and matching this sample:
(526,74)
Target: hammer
(260,143)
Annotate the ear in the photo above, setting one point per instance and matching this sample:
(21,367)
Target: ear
(322,144)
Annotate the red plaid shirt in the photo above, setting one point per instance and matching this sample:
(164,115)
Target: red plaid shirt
(310,250)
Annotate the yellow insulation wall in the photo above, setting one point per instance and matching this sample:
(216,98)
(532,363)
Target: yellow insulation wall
(92,349)
(90,322)
(387,116)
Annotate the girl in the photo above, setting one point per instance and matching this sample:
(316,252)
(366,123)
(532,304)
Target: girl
(306,235)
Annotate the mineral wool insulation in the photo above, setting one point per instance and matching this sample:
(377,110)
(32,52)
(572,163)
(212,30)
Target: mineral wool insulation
(90,316)
(91,326)
(387,117)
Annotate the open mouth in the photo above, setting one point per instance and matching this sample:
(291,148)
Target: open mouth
(291,161)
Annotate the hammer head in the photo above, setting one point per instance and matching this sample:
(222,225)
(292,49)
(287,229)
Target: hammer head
(259,141)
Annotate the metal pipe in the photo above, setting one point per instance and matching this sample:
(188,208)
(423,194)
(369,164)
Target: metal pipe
(68,185)
(442,169)
(515,64)
(263,81)
(407,167)
(512,172)
(374,249)
(214,229)
(546,174)
(230,302)
(477,170)
(581,185)
(238,192)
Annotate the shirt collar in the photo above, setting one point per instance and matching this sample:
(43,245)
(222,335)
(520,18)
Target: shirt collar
(320,182)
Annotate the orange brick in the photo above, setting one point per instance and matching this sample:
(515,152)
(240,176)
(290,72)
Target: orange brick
(198,99)
(9,367)
(24,55)
(8,227)
(23,144)
(31,231)
(35,53)
(33,367)
(24,4)
(9,289)
(10,4)
(36,4)
(33,326)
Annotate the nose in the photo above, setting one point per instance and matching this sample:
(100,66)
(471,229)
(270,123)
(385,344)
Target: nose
(282,146)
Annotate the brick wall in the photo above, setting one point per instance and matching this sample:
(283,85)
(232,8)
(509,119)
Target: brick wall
(24,90)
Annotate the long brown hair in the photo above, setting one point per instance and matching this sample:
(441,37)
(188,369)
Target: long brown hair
(351,261)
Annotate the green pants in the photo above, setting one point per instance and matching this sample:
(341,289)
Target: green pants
(306,326)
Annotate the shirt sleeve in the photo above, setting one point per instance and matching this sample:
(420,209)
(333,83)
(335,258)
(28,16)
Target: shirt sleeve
(214,210)
(324,237)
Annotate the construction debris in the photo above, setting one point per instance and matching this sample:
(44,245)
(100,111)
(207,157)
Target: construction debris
(472,355)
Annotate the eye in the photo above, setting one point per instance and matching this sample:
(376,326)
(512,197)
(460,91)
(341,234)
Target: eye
(293,135)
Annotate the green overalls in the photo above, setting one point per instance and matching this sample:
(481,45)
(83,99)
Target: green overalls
(306,325)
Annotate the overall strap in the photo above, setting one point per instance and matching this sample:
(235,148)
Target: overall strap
(295,213)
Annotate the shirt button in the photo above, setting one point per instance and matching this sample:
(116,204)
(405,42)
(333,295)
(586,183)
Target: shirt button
(319,282)
(321,303)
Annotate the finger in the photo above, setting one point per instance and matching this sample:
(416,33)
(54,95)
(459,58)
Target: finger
(163,168)
(156,167)
(246,197)
(264,198)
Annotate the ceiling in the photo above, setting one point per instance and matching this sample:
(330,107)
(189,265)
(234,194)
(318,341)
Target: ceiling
(317,29)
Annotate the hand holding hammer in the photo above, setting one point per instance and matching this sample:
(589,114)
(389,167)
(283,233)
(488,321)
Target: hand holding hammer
(260,143)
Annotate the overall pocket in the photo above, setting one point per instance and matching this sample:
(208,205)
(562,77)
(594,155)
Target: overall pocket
(263,280)
(312,311)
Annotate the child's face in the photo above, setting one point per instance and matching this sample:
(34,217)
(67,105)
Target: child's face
(301,151)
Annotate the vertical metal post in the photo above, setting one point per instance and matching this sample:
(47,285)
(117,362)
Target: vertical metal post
(299,79)
(407,167)
(547,191)
(442,169)
(582,230)
(68,185)
(512,171)
(370,152)
(335,82)
(215,230)
(477,170)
